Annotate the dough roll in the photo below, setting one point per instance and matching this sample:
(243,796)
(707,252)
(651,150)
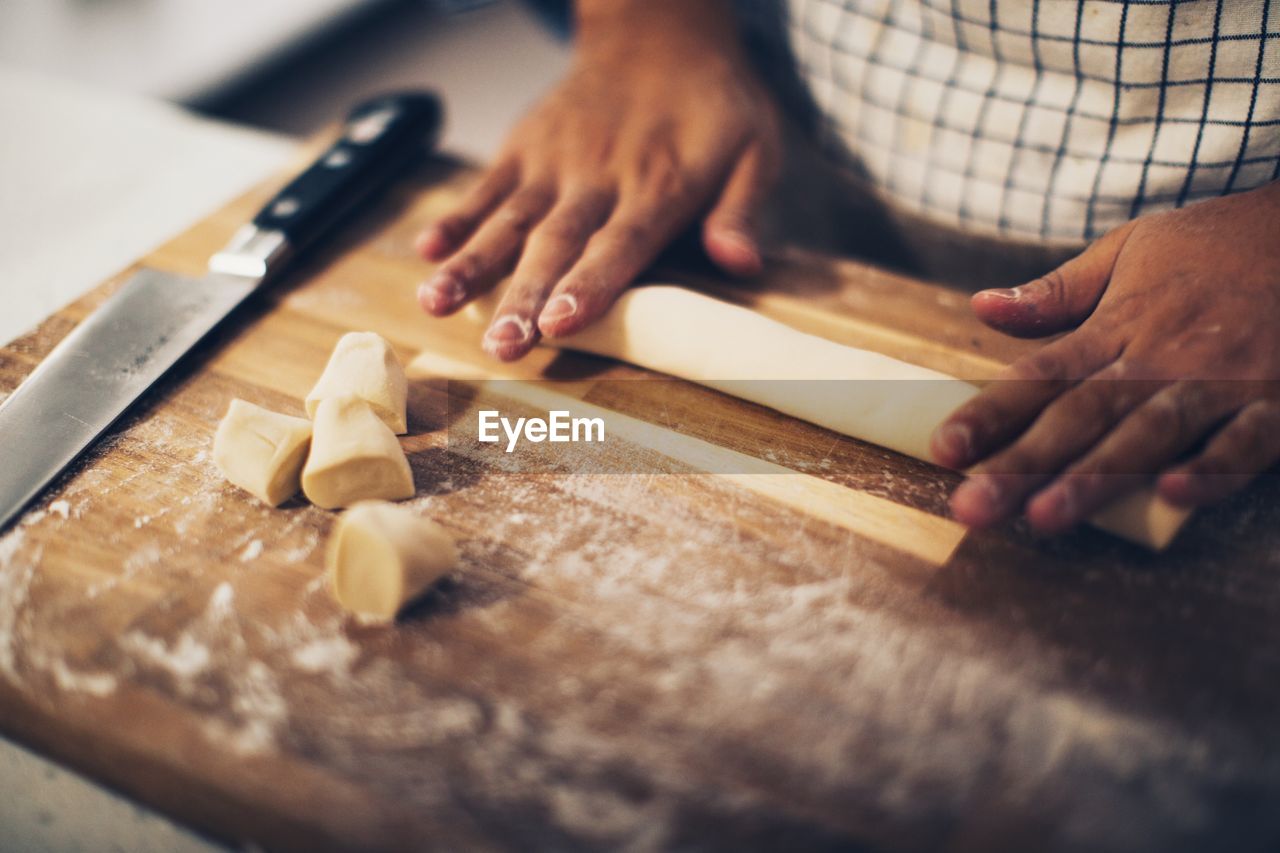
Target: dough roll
(740,352)
(382,556)
(261,451)
(364,365)
(354,457)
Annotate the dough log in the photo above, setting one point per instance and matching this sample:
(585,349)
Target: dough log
(364,365)
(354,457)
(381,556)
(735,350)
(261,451)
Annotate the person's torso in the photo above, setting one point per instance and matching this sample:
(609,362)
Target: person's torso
(1049,120)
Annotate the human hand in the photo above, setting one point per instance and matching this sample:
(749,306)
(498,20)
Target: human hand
(1168,371)
(659,122)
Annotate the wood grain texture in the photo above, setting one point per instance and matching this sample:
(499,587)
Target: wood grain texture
(654,660)
(920,534)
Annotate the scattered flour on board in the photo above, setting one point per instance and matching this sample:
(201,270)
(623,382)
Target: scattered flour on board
(188,656)
(15,585)
(712,649)
(325,654)
(94,683)
(205,661)
(184,659)
(260,710)
(256,704)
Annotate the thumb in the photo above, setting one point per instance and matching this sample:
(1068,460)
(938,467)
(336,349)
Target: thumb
(1058,300)
(729,232)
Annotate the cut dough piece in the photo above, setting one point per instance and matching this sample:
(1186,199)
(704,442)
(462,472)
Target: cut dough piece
(740,352)
(382,556)
(354,457)
(364,365)
(261,451)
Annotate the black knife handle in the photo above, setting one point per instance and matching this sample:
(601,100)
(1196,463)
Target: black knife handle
(379,137)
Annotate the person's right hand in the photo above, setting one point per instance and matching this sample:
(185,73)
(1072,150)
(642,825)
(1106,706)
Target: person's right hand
(660,122)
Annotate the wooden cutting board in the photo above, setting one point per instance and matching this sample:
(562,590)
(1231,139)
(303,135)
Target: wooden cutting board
(636,653)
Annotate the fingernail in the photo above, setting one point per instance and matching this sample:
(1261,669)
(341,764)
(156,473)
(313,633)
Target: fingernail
(431,241)
(559,307)
(983,495)
(1057,506)
(506,330)
(987,488)
(744,246)
(955,440)
(441,292)
(1178,486)
(1002,293)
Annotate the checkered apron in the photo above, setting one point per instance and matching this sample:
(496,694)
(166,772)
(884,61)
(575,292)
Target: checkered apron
(1044,120)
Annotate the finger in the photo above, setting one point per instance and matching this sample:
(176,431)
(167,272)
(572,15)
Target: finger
(1246,446)
(729,231)
(488,255)
(442,237)
(1059,300)
(550,251)
(1007,406)
(1066,429)
(1153,434)
(618,252)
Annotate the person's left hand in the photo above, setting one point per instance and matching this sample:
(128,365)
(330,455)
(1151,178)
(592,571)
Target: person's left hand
(1168,371)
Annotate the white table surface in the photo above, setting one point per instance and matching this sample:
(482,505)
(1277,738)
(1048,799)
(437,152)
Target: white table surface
(93,180)
(180,50)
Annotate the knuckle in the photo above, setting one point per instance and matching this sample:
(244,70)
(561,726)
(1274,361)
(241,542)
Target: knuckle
(466,267)
(1019,460)
(591,200)
(733,219)
(450,219)
(984,415)
(1167,411)
(1115,391)
(453,226)
(1054,286)
(973,414)
(1255,428)
(1045,364)
(660,174)
(599,151)
(488,188)
(1095,476)
(562,230)
(1098,400)
(671,185)
(1264,415)
(772,150)
(631,232)
(520,216)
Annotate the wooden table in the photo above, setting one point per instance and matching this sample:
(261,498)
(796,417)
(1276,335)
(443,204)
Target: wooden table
(652,657)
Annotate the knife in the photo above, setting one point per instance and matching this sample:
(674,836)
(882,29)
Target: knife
(92,377)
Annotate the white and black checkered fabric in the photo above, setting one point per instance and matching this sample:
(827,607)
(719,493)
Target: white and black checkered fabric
(1049,120)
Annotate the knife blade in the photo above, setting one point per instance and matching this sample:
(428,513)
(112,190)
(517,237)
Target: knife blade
(107,362)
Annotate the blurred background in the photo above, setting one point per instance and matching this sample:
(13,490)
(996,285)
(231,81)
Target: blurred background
(126,120)
(290,66)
